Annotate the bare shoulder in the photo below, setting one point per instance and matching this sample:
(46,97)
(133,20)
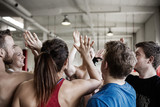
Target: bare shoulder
(81,86)
(21,76)
(25,87)
(73,90)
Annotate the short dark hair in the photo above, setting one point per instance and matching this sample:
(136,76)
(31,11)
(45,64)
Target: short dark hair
(121,60)
(3,34)
(151,48)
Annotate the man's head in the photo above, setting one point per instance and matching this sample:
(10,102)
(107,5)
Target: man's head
(118,60)
(6,46)
(148,55)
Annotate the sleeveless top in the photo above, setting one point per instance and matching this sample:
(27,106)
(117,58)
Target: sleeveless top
(53,100)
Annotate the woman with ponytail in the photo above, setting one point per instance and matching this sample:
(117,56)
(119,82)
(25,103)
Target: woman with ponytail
(49,88)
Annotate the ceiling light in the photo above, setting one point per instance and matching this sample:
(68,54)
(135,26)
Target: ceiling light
(11,28)
(13,21)
(66,21)
(110,33)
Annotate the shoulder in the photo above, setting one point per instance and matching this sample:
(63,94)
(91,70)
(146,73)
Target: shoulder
(114,91)
(21,74)
(80,87)
(157,81)
(81,83)
(25,87)
(96,102)
(131,78)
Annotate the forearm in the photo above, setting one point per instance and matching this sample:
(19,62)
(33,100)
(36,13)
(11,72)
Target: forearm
(94,74)
(70,69)
(16,103)
(72,55)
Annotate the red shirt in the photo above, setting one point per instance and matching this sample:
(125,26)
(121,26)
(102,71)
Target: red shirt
(53,101)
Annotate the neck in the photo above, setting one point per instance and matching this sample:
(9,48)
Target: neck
(148,73)
(16,69)
(110,79)
(60,75)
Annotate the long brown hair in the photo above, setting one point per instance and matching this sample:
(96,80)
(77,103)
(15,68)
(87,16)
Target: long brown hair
(47,64)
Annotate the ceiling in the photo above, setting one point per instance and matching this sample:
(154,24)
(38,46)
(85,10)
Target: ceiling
(90,17)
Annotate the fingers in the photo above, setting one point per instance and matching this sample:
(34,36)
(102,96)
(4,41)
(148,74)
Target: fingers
(30,39)
(100,51)
(30,36)
(35,36)
(92,44)
(88,42)
(27,41)
(81,40)
(85,40)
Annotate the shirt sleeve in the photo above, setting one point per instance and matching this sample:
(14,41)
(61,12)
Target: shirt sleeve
(96,103)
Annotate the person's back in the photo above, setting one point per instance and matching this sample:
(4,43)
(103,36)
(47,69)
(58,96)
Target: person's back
(8,85)
(118,62)
(49,69)
(114,95)
(68,95)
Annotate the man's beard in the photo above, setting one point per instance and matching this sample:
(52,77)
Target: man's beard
(7,60)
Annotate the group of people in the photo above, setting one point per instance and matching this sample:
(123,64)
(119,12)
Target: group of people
(114,86)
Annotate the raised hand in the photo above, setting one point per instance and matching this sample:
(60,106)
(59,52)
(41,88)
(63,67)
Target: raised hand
(85,46)
(76,36)
(32,41)
(99,53)
(122,40)
(84,49)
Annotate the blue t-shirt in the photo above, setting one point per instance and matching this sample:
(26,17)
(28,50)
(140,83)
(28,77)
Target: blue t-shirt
(114,95)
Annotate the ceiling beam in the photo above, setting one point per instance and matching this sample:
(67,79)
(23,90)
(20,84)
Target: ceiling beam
(47,12)
(117,10)
(26,18)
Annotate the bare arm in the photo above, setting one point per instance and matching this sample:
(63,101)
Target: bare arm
(16,102)
(84,50)
(71,69)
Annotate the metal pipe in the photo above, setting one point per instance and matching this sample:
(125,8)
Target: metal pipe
(27,18)
(19,7)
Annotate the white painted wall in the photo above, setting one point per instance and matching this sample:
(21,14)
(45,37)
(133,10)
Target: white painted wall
(30,60)
(140,35)
(152,28)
